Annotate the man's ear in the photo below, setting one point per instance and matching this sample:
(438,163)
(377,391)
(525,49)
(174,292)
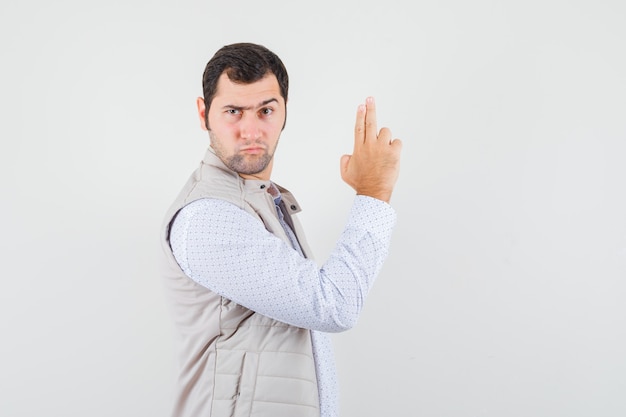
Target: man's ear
(202,113)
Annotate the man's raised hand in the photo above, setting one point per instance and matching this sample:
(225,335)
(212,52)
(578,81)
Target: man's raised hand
(374,165)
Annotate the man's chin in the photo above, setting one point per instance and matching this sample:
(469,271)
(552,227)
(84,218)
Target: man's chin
(248,166)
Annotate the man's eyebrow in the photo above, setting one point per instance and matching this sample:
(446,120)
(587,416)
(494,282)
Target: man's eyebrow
(261,104)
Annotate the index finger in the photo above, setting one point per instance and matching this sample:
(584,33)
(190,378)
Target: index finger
(371,130)
(359,128)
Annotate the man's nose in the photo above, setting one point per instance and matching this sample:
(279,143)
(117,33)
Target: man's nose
(250,127)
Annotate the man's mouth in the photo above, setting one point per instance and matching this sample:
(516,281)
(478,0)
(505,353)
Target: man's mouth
(253,149)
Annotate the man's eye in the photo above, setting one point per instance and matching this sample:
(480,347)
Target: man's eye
(232,111)
(267,111)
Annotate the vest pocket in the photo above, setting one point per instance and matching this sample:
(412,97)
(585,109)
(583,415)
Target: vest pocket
(247,385)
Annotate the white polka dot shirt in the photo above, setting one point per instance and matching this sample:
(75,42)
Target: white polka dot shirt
(227,250)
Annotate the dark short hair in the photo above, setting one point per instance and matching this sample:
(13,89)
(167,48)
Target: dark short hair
(244,63)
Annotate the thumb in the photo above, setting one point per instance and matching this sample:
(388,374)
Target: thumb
(343,163)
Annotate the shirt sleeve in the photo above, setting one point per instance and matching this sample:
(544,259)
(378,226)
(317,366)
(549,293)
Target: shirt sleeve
(227,250)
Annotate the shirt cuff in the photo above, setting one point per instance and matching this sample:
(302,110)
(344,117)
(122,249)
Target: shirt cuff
(373,215)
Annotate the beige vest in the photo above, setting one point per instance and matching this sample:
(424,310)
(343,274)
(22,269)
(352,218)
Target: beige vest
(233,361)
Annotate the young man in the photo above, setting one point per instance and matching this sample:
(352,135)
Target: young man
(252,311)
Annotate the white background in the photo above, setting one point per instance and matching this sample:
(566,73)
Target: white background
(504,293)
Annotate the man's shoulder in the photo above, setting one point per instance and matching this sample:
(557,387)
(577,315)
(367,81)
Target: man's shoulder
(209,181)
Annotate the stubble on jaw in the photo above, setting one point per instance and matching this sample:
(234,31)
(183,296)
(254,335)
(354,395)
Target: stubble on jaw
(239,163)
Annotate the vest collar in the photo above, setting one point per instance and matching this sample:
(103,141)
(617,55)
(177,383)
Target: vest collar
(252,186)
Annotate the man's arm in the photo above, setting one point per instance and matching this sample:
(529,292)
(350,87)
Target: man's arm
(225,249)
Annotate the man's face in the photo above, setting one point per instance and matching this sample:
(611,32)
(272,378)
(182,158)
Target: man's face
(245,122)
